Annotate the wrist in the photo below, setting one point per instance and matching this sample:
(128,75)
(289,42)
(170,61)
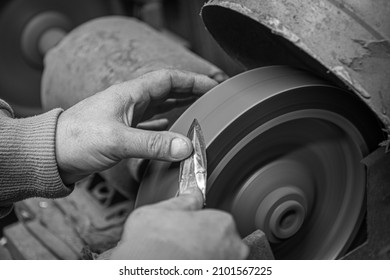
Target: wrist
(67,176)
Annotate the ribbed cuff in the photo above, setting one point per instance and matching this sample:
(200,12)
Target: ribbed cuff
(28,166)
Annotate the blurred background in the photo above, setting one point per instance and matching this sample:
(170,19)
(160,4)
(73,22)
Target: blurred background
(23,24)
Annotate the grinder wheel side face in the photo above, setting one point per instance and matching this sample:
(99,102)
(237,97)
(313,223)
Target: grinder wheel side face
(284,152)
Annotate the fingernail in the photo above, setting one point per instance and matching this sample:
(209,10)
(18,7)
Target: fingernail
(220,77)
(179,148)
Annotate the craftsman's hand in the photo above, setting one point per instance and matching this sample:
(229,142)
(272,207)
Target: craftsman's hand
(178,229)
(101,130)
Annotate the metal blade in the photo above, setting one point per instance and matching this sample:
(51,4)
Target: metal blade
(193,170)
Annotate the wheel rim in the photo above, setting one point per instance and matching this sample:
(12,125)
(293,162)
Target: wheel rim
(283,157)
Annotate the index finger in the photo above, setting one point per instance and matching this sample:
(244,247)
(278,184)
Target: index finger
(190,200)
(157,85)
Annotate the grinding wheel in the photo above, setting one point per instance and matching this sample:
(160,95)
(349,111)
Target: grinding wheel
(284,152)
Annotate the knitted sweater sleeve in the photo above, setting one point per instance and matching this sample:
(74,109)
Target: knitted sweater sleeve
(28,166)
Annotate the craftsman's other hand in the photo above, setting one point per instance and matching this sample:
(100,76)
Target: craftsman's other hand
(178,229)
(101,130)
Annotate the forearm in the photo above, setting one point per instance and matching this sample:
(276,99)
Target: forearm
(28,166)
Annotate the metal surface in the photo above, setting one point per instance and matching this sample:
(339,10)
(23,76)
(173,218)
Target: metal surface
(284,157)
(193,170)
(344,40)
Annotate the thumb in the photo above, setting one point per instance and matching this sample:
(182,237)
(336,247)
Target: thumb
(191,199)
(160,145)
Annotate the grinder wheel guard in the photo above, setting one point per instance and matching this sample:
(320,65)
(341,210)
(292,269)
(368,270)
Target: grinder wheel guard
(284,155)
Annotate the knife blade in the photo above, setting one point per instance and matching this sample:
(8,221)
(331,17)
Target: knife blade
(193,170)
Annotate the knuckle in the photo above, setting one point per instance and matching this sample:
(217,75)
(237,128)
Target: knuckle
(120,93)
(156,146)
(123,99)
(165,72)
(114,91)
(166,75)
(228,219)
(160,73)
